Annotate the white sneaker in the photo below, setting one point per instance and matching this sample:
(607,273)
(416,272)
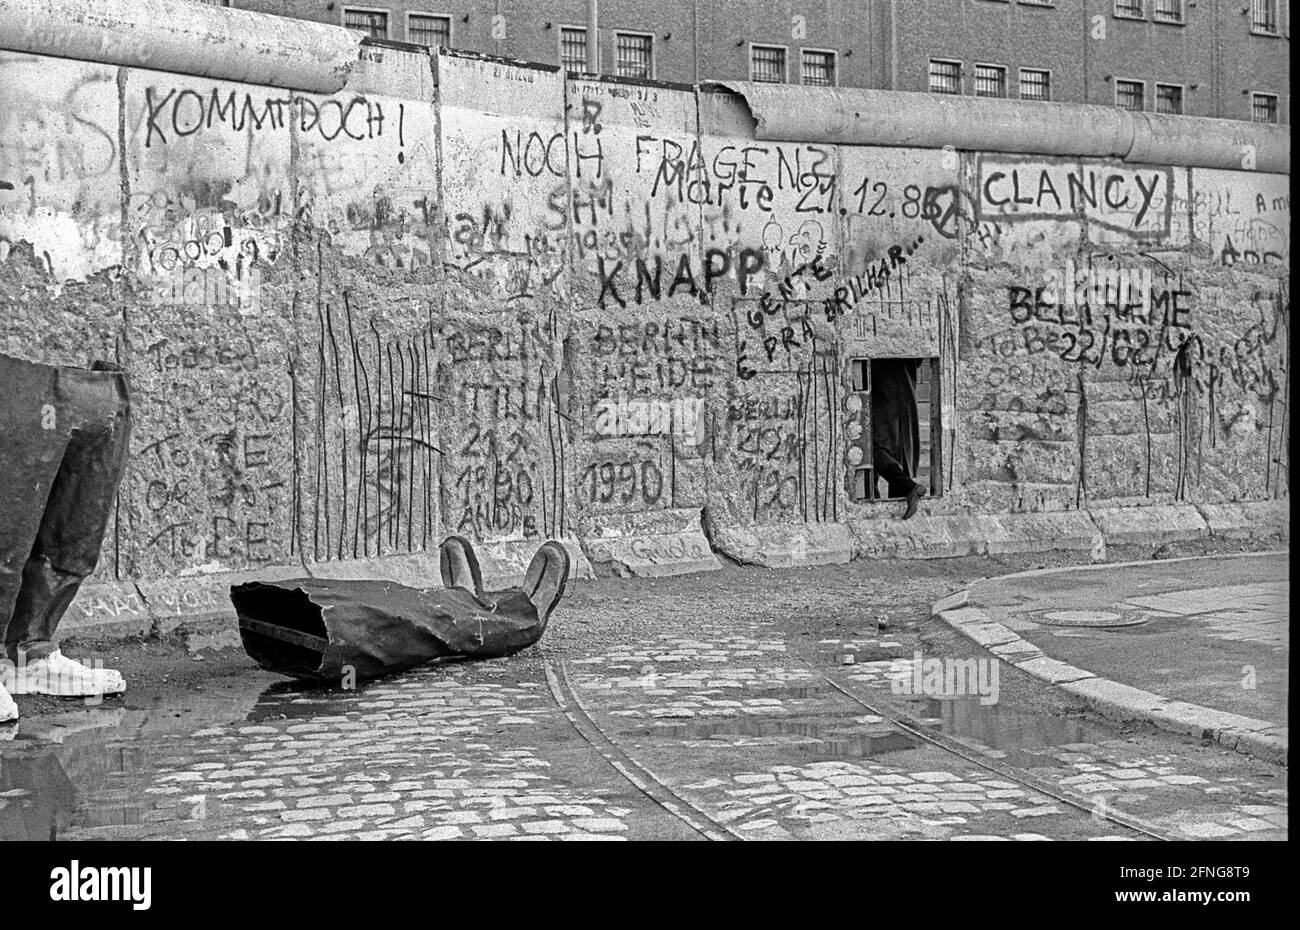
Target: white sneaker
(8,709)
(60,676)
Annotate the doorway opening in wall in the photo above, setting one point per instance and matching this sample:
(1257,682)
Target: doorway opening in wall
(899,443)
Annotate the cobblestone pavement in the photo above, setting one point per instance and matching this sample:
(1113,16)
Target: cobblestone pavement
(442,753)
(758,738)
(712,684)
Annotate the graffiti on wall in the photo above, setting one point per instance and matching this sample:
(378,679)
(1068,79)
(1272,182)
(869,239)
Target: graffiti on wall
(618,308)
(1132,201)
(375,467)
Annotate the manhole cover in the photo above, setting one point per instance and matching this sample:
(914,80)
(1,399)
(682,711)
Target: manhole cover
(1094,618)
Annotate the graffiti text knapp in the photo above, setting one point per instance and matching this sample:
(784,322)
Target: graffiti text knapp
(1130,200)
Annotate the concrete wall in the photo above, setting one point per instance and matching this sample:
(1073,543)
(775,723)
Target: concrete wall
(467,295)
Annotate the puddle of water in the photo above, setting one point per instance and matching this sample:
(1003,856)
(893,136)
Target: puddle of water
(1022,737)
(34,792)
(89,766)
(1015,737)
(96,783)
(826,739)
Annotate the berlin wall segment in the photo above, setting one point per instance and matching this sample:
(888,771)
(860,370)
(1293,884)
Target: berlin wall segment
(471,296)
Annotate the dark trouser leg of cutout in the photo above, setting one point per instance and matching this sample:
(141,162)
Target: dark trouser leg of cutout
(459,565)
(547,575)
(30,453)
(66,441)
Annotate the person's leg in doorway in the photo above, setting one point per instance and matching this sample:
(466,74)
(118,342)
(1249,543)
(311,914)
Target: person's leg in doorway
(900,482)
(895,432)
(94,407)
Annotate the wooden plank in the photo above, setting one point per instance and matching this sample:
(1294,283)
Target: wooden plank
(935,471)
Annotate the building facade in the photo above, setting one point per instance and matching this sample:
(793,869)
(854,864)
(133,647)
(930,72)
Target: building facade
(1216,58)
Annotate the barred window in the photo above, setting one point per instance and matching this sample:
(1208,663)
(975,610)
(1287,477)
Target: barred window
(1263,16)
(1129,9)
(945,76)
(819,68)
(767,64)
(1169,98)
(1131,95)
(1035,84)
(1263,108)
(425,29)
(990,81)
(1168,11)
(573,49)
(373,23)
(634,55)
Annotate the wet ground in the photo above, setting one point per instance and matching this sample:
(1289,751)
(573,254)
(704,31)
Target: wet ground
(730,705)
(1210,632)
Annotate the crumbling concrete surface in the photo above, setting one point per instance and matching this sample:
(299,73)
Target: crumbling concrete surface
(467,295)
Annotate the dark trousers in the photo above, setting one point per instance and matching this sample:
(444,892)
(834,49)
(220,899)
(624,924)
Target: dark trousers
(892,470)
(64,434)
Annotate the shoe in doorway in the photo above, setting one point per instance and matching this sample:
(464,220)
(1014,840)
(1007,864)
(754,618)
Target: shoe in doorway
(913,502)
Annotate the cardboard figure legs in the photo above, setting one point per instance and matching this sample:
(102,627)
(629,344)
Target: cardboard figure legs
(459,566)
(65,442)
(324,630)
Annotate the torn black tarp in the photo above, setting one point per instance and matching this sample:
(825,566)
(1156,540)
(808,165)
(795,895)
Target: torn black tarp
(321,629)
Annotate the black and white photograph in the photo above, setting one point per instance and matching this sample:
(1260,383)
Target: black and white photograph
(643,421)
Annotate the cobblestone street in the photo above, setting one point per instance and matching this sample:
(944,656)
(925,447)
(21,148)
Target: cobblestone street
(736,704)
